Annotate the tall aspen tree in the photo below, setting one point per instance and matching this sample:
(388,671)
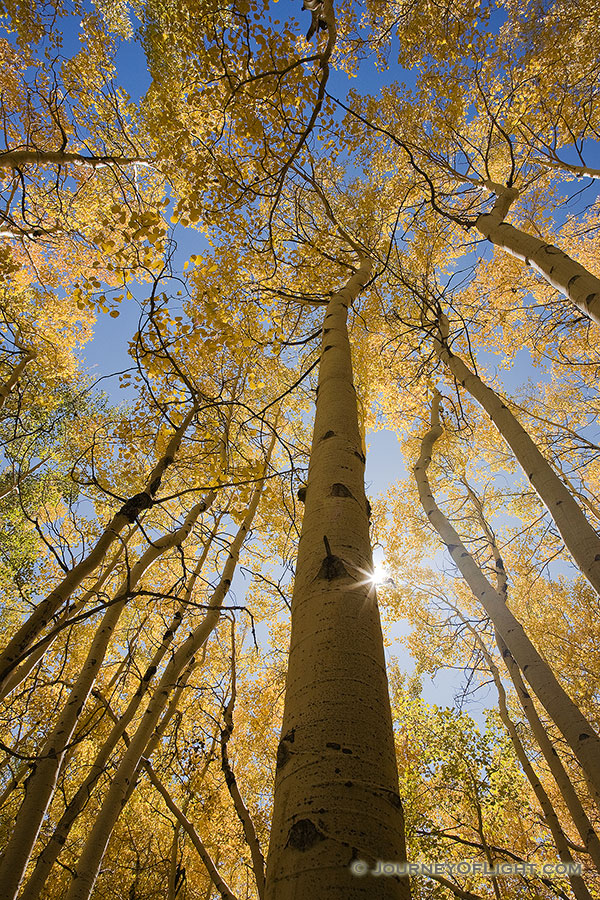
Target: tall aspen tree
(576,729)
(553,761)
(580,537)
(557,267)
(51,851)
(336,789)
(125,516)
(42,781)
(143,739)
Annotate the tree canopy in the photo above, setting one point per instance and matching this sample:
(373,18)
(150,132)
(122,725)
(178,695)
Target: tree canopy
(384,211)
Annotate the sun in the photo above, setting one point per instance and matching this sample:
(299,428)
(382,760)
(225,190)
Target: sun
(379,576)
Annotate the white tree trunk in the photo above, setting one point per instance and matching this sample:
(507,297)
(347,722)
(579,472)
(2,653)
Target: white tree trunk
(15,159)
(565,274)
(577,731)
(41,783)
(53,848)
(549,813)
(581,539)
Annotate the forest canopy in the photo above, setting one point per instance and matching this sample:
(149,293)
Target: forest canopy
(238,241)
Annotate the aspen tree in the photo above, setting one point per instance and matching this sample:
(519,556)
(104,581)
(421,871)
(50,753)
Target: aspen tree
(580,819)
(577,731)
(124,778)
(581,538)
(557,267)
(125,516)
(51,851)
(336,789)
(37,651)
(215,876)
(42,781)
(549,813)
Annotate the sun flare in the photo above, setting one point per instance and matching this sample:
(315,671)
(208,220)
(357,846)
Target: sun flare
(380,576)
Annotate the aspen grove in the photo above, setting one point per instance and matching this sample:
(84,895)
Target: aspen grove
(300,461)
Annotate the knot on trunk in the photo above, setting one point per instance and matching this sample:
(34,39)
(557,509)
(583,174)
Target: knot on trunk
(340,490)
(283,750)
(303,835)
(332,566)
(135,505)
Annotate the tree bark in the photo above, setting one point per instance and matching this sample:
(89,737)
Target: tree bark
(565,274)
(336,788)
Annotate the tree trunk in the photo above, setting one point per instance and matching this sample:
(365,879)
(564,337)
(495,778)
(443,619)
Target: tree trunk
(582,823)
(127,515)
(41,783)
(125,776)
(14,159)
(565,274)
(182,820)
(569,795)
(37,651)
(577,731)
(549,813)
(53,848)
(243,813)
(336,789)
(581,539)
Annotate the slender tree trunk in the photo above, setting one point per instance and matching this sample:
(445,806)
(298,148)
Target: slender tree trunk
(173,866)
(565,274)
(127,515)
(53,848)
(14,783)
(582,823)
(41,783)
(336,789)
(16,483)
(258,862)
(124,778)
(564,784)
(549,813)
(214,874)
(581,539)
(577,731)
(36,652)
